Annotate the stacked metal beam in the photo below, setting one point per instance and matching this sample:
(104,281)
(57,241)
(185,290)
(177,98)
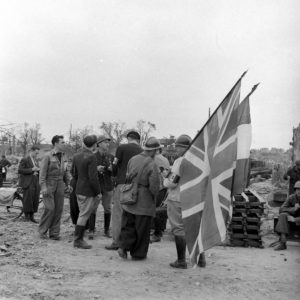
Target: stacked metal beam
(244,230)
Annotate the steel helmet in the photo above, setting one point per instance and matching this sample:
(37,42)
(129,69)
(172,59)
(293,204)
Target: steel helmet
(152,143)
(183,141)
(297,185)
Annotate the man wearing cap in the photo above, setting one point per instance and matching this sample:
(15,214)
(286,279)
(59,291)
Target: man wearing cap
(54,176)
(291,207)
(137,218)
(123,154)
(172,181)
(87,187)
(104,165)
(293,175)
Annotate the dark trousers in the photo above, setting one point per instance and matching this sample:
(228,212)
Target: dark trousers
(160,220)
(31,196)
(74,209)
(135,234)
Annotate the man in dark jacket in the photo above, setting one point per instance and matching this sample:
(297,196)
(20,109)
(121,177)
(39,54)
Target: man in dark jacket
(137,218)
(291,207)
(104,166)
(123,154)
(29,182)
(87,187)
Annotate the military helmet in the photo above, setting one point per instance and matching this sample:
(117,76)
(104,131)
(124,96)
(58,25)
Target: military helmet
(183,141)
(297,185)
(152,143)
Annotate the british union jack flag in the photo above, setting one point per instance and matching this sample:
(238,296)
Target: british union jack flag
(206,178)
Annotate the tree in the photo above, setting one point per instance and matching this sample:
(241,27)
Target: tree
(35,134)
(114,130)
(24,137)
(76,137)
(144,129)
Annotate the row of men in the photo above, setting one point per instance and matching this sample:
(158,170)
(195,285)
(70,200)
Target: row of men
(90,183)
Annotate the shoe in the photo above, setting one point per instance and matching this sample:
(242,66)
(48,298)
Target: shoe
(179,265)
(43,236)
(55,238)
(111,247)
(91,235)
(138,258)
(31,218)
(281,246)
(122,253)
(155,239)
(78,238)
(274,244)
(33,221)
(202,261)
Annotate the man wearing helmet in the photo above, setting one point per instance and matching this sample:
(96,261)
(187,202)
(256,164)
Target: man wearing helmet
(174,206)
(137,218)
(293,175)
(291,207)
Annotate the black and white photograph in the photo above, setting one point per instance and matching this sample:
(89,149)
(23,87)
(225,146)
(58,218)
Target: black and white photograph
(149,149)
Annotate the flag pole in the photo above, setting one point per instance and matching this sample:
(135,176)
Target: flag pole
(199,132)
(252,91)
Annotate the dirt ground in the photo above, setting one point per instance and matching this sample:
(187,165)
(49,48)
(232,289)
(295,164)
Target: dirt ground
(45,269)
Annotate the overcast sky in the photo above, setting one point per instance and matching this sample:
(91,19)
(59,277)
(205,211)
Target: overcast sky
(164,61)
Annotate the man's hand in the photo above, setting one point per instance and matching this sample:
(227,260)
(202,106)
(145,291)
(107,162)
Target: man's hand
(70,189)
(35,169)
(297,206)
(100,168)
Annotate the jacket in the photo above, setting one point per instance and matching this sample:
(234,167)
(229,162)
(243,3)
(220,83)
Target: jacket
(26,173)
(289,204)
(84,171)
(52,168)
(148,186)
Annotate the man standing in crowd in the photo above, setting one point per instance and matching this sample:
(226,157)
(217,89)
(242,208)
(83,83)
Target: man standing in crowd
(174,206)
(4,164)
(293,175)
(53,178)
(161,217)
(123,154)
(291,207)
(137,218)
(104,166)
(87,187)
(29,182)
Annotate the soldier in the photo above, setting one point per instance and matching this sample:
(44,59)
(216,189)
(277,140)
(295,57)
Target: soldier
(104,165)
(291,207)
(293,175)
(174,206)
(137,218)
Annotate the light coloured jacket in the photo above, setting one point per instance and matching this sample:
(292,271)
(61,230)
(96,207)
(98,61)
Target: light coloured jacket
(52,169)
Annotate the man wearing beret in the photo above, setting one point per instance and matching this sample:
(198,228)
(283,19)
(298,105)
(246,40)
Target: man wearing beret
(104,166)
(123,154)
(88,189)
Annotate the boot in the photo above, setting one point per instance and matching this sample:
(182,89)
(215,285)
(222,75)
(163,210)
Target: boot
(280,246)
(27,217)
(106,225)
(202,261)
(180,263)
(78,238)
(31,218)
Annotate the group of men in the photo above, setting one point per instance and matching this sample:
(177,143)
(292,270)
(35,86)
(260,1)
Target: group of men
(90,182)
